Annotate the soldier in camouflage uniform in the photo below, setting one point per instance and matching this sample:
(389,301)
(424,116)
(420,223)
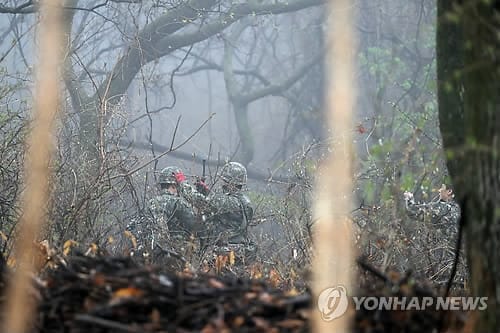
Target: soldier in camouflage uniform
(171,216)
(169,208)
(443,211)
(438,234)
(227,213)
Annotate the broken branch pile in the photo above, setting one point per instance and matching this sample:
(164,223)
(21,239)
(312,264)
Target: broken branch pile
(109,294)
(116,295)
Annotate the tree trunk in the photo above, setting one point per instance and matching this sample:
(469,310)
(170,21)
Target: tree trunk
(449,65)
(246,149)
(470,125)
(162,36)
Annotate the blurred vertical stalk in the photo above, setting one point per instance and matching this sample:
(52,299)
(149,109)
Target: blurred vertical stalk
(21,304)
(333,261)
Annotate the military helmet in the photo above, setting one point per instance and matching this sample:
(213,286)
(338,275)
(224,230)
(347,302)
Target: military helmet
(167,175)
(234,173)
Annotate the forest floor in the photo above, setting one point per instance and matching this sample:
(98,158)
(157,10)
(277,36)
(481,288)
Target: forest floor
(110,294)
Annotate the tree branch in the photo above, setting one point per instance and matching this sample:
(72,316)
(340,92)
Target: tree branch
(30,7)
(157,39)
(215,67)
(252,173)
(278,89)
(26,8)
(144,49)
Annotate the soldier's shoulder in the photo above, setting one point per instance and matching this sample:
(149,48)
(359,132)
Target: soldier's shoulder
(245,198)
(162,199)
(183,203)
(167,196)
(218,199)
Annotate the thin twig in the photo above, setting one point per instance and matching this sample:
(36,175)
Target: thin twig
(84,318)
(175,132)
(164,153)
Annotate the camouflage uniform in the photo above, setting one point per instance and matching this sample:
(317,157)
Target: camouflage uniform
(442,212)
(437,235)
(170,217)
(227,213)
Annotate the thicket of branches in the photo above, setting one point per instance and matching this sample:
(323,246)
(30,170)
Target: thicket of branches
(243,52)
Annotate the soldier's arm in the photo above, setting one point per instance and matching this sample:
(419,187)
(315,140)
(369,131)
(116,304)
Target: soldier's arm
(195,198)
(446,212)
(412,208)
(184,213)
(248,207)
(154,207)
(440,211)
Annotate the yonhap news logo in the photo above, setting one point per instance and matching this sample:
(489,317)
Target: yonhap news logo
(403,303)
(334,302)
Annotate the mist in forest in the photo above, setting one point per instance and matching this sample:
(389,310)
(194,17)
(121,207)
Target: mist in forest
(160,98)
(148,84)
(272,64)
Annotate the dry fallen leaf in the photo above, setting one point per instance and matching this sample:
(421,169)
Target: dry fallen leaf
(261,323)
(92,250)
(220,263)
(11,262)
(99,279)
(250,295)
(231,258)
(274,277)
(290,323)
(215,283)
(266,297)
(292,292)
(256,272)
(68,245)
(132,238)
(128,292)
(44,255)
(125,293)
(239,321)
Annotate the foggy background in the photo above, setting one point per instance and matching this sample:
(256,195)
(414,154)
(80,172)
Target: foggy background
(139,74)
(396,39)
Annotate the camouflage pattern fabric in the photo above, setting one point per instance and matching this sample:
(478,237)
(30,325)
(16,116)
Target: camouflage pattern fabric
(167,175)
(155,245)
(443,213)
(440,212)
(441,217)
(142,230)
(226,215)
(234,173)
(172,214)
(170,217)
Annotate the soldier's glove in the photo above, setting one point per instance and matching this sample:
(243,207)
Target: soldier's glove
(202,187)
(179,177)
